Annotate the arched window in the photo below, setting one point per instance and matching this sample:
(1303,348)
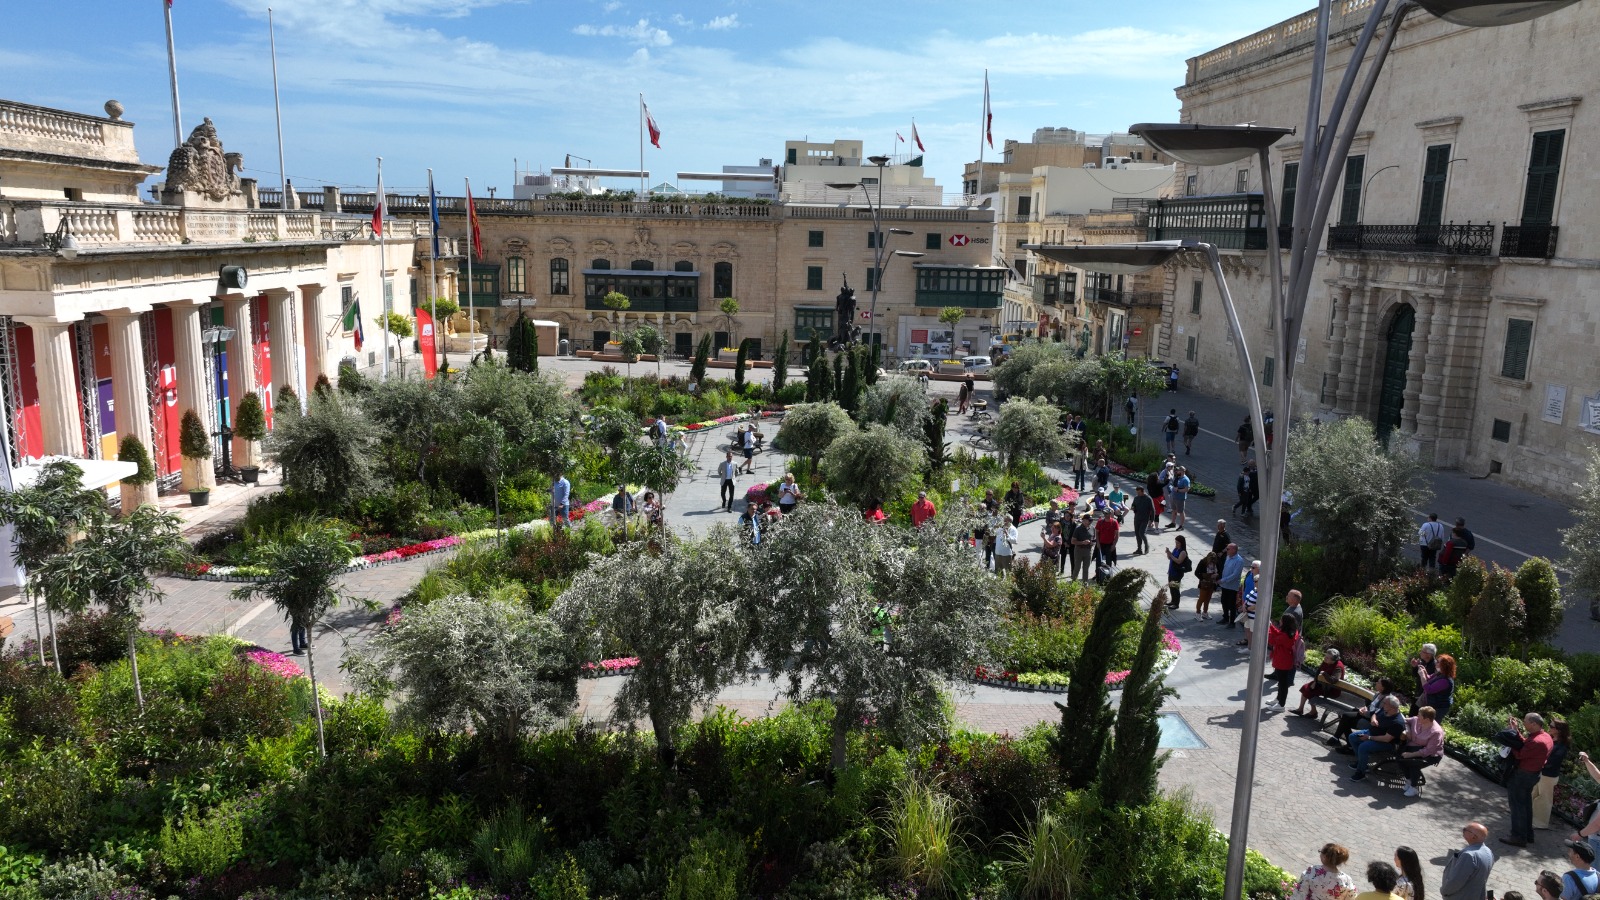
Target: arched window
(559,276)
(722,280)
(600,264)
(683,265)
(642,265)
(516,275)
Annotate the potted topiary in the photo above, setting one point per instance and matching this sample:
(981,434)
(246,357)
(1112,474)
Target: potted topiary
(251,426)
(136,488)
(200,497)
(195,446)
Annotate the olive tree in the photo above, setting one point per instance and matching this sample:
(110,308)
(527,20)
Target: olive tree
(326,455)
(415,419)
(1120,375)
(537,412)
(809,429)
(1030,429)
(679,608)
(301,581)
(1582,540)
(899,401)
(1011,376)
(44,517)
(876,619)
(491,667)
(874,464)
(111,565)
(1357,493)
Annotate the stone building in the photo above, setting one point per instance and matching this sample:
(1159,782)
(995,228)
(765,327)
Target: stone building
(1453,302)
(117,315)
(677,260)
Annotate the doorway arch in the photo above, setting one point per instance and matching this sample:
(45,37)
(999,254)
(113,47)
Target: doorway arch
(1396,361)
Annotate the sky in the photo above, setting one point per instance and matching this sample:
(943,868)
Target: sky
(473,88)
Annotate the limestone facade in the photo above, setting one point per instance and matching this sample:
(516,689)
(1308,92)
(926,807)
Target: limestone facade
(105,301)
(1453,300)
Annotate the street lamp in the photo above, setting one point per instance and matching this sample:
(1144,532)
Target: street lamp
(217,337)
(877,231)
(1327,145)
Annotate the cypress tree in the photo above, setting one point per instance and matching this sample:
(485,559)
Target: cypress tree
(702,356)
(780,363)
(1129,766)
(876,363)
(738,365)
(1086,721)
(838,374)
(850,385)
(522,346)
(819,382)
(131,450)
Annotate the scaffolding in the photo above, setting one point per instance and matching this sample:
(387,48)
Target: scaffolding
(16,424)
(88,387)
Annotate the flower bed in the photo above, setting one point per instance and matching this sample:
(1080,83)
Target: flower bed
(1056,682)
(204,571)
(276,663)
(621,665)
(1196,489)
(725,420)
(1067,498)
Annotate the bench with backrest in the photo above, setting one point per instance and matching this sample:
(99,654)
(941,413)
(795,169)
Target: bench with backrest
(1352,698)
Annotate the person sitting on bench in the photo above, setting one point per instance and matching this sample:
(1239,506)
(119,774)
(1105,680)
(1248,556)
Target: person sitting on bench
(1424,746)
(1348,721)
(1326,684)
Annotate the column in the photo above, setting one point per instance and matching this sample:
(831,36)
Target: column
(280,338)
(1433,375)
(1416,363)
(57,381)
(1349,370)
(1340,298)
(241,366)
(191,363)
(130,394)
(315,338)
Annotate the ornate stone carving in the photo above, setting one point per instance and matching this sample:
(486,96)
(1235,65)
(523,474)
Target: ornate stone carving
(200,165)
(560,246)
(724,250)
(604,247)
(642,247)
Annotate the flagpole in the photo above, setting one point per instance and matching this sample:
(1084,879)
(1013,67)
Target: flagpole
(983,127)
(642,196)
(472,319)
(383,273)
(277,112)
(172,74)
(433,261)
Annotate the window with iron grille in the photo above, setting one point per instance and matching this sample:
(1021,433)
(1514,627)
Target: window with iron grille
(1519,341)
(1189,185)
(1350,196)
(1501,431)
(1194,299)
(1191,346)
(1241,181)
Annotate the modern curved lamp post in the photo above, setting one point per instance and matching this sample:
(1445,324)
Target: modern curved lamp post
(877,231)
(1328,135)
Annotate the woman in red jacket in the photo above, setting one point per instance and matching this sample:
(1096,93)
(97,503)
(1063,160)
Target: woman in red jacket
(1281,641)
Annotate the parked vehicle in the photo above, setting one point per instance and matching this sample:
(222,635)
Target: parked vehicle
(977,365)
(917,367)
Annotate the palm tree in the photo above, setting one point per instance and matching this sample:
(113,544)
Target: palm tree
(111,565)
(44,517)
(300,580)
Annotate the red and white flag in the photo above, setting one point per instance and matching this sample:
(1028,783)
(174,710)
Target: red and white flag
(917,139)
(472,224)
(650,124)
(899,137)
(988,112)
(377,206)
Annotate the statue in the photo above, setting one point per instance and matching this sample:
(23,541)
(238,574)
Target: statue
(844,310)
(201,166)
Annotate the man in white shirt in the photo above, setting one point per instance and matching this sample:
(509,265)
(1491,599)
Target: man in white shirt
(726,470)
(748,437)
(1005,546)
(1430,537)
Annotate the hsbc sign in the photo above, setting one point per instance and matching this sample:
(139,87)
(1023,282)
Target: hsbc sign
(961,240)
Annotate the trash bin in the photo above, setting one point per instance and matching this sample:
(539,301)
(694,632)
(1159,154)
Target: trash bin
(565,347)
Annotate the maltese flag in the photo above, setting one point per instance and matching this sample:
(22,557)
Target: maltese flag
(650,124)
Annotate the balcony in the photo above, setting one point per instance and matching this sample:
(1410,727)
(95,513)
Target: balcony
(647,291)
(1445,240)
(1229,221)
(1528,241)
(145,226)
(1123,299)
(967,287)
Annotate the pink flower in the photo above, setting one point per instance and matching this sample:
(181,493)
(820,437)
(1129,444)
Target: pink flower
(276,663)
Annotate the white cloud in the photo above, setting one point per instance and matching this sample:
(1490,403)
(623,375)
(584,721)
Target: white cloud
(682,21)
(612,6)
(722,23)
(641,32)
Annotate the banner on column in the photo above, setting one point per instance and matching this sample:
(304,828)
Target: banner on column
(426,343)
(27,426)
(101,338)
(166,416)
(261,354)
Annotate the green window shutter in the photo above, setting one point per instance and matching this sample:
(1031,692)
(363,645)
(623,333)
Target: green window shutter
(1291,178)
(814,239)
(1350,197)
(813,278)
(1544,173)
(1519,341)
(872,279)
(1435,173)
(935,241)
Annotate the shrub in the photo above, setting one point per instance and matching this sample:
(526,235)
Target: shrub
(712,869)
(80,877)
(193,442)
(1465,588)
(246,701)
(1498,616)
(509,847)
(1537,686)
(251,422)
(36,704)
(876,463)
(925,847)
(1034,644)
(1048,857)
(1474,717)
(1585,668)
(206,845)
(1585,724)
(95,638)
(1541,598)
(131,450)
(1394,660)
(1350,624)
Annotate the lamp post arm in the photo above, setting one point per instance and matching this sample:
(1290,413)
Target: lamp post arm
(1301,265)
(1244,774)
(1306,182)
(1274,245)
(1348,81)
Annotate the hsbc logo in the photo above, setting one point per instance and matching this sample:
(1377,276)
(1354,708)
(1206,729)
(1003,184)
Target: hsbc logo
(959,240)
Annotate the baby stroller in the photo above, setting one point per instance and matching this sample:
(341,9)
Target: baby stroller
(1102,570)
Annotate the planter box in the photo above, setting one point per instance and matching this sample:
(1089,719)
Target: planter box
(584,354)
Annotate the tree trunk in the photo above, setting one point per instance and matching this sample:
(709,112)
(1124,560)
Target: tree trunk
(38,630)
(55,651)
(133,663)
(316,697)
(841,735)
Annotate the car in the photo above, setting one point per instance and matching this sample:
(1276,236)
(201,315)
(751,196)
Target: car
(917,367)
(976,365)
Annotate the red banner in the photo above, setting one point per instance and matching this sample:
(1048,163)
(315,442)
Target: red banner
(426,343)
(261,356)
(28,426)
(166,416)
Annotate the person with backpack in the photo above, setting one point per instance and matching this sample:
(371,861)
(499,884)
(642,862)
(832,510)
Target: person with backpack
(1191,430)
(1430,539)
(1583,880)
(1178,565)
(1132,406)
(1285,644)
(1170,429)
(1246,438)
(1450,557)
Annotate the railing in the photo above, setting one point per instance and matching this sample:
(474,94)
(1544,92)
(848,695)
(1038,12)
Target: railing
(1229,221)
(963,299)
(35,222)
(1528,241)
(1125,299)
(1280,38)
(650,304)
(1450,240)
(34,121)
(158,225)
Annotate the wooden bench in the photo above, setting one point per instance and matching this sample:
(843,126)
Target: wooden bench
(1329,707)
